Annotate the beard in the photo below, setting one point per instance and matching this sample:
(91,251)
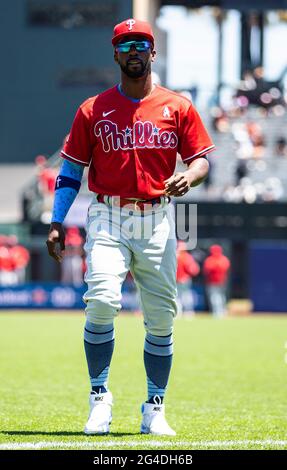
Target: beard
(142,69)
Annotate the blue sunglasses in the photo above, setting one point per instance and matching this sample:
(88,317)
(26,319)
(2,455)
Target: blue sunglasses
(140,46)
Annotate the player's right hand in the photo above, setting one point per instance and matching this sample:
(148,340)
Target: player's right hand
(56,241)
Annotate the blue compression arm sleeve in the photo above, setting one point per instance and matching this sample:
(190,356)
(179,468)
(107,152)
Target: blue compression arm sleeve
(67,187)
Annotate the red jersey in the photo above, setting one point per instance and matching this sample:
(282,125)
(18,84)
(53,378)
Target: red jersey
(215,269)
(20,256)
(6,261)
(187,267)
(131,146)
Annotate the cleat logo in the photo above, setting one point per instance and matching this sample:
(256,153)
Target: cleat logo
(99,398)
(156,408)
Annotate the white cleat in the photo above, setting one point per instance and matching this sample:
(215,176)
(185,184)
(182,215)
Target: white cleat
(100,416)
(153,420)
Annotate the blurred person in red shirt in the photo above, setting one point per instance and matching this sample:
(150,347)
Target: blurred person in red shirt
(7,265)
(187,268)
(72,264)
(215,270)
(20,258)
(257,138)
(46,177)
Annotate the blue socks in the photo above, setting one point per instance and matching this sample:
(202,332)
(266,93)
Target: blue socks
(157,359)
(99,347)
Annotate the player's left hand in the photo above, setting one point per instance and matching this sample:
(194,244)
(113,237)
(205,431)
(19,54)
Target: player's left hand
(177,185)
(56,241)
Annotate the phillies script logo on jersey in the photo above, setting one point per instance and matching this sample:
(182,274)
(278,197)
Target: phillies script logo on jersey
(141,135)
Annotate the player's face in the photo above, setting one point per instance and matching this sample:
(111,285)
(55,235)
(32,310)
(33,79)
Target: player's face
(136,62)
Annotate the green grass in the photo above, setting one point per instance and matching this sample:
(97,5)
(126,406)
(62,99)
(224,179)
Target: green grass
(227,388)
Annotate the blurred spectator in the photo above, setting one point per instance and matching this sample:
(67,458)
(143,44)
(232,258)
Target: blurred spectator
(280,148)
(14,259)
(240,171)
(258,91)
(7,274)
(20,257)
(273,190)
(46,177)
(187,268)
(215,270)
(249,138)
(220,121)
(72,264)
(244,147)
(257,139)
(248,83)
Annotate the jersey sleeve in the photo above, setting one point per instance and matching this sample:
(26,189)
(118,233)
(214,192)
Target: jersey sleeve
(194,140)
(77,147)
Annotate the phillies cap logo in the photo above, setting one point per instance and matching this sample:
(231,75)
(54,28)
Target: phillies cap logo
(130,24)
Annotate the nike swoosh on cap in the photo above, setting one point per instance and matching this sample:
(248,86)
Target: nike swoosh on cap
(108,112)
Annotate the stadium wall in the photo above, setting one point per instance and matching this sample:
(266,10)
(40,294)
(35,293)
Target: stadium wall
(54,56)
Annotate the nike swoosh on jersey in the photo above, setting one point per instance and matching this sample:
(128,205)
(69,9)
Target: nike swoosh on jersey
(105,114)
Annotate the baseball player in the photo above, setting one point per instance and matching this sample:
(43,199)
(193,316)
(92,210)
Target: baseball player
(129,137)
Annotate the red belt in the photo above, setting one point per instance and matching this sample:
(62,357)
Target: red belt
(143,205)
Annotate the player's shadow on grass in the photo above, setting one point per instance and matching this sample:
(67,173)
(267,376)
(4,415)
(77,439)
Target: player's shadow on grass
(64,433)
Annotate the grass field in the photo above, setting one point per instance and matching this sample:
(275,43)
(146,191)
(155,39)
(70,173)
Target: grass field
(228,388)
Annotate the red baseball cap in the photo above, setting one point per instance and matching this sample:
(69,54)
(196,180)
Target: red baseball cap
(215,250)
(132,27)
